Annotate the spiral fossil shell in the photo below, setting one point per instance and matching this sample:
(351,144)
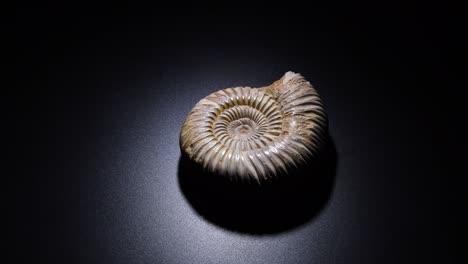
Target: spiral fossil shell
(256,134)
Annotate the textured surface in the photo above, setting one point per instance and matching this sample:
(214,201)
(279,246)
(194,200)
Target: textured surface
(254,134)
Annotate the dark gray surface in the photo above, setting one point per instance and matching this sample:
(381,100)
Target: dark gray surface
(106,96)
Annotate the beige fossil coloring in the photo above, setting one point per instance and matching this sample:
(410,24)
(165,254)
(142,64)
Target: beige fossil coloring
(256,134)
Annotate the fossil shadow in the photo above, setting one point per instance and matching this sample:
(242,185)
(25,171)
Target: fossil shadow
(267,209)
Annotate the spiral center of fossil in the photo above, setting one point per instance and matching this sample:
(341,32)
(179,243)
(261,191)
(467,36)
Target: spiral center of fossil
(249,126)
(243,128)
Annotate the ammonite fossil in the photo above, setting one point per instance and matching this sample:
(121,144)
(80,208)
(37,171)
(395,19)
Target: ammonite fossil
(256,134)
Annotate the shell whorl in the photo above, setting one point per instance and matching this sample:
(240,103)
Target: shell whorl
(251,134)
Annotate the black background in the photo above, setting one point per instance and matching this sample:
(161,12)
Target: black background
(102,92)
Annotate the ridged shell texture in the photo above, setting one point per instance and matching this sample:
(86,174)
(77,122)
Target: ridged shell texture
(256,134)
